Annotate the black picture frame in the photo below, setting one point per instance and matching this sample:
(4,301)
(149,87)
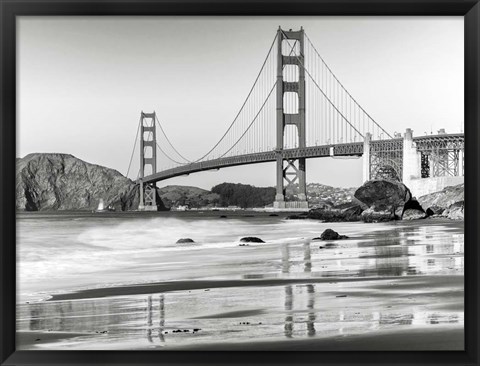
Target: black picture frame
(9,9)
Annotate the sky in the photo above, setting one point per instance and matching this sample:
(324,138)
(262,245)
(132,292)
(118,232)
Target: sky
(83,81)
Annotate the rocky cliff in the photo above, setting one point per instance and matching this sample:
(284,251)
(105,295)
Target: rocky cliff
(64,182)
(449,202)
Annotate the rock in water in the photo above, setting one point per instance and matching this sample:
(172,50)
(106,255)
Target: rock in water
(330,234)
(251,239)
(63,182)
(185,240)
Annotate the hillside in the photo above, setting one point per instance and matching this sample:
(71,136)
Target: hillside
(244,195)
(64,182)
(193,197)
(323,195)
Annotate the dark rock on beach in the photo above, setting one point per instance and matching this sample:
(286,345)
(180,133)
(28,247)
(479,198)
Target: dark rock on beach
(185,240)
(330,234)
(251,239)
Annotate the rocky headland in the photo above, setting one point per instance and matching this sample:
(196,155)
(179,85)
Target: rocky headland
(64,182)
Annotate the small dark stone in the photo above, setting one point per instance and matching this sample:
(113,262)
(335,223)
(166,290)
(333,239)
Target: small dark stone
(185,240)
(223,217)
(36,340)
(196,329)
(251,239)
(341,296)
(273,215)
(330,234)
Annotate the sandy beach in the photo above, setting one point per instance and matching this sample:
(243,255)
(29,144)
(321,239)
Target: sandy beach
(388,287)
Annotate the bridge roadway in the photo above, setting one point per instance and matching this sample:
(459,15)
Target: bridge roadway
(423,143)
(348,149)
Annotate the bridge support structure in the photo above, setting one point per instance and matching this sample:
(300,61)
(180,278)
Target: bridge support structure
(148,159)
(425,164)
(290,171)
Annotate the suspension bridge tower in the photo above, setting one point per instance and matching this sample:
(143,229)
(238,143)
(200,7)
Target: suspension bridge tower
(290,171)
(148,160)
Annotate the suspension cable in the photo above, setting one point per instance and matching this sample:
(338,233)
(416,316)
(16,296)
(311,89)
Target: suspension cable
(243,105)
(346,91)
(251,123)
(168,140)
(134,145)
(168,156)
(333,105)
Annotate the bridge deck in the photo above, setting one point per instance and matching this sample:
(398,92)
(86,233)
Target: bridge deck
(349,149)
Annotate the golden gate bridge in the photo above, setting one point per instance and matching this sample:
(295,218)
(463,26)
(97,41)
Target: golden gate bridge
(297,109)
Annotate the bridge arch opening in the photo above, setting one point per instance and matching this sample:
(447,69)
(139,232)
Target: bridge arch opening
(387,172)
(290,137)
(147,170)
(148,136)
(290,47)
(148,152)
(291,73)
(290,103)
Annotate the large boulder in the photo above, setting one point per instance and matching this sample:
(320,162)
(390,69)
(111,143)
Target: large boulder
(383,194)
(385,199)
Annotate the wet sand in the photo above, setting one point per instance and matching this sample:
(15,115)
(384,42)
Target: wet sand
(447,338)
(397,287)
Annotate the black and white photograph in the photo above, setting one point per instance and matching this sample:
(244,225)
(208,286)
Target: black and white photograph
(240,183)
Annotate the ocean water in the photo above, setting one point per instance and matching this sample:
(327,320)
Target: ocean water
(385,275)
